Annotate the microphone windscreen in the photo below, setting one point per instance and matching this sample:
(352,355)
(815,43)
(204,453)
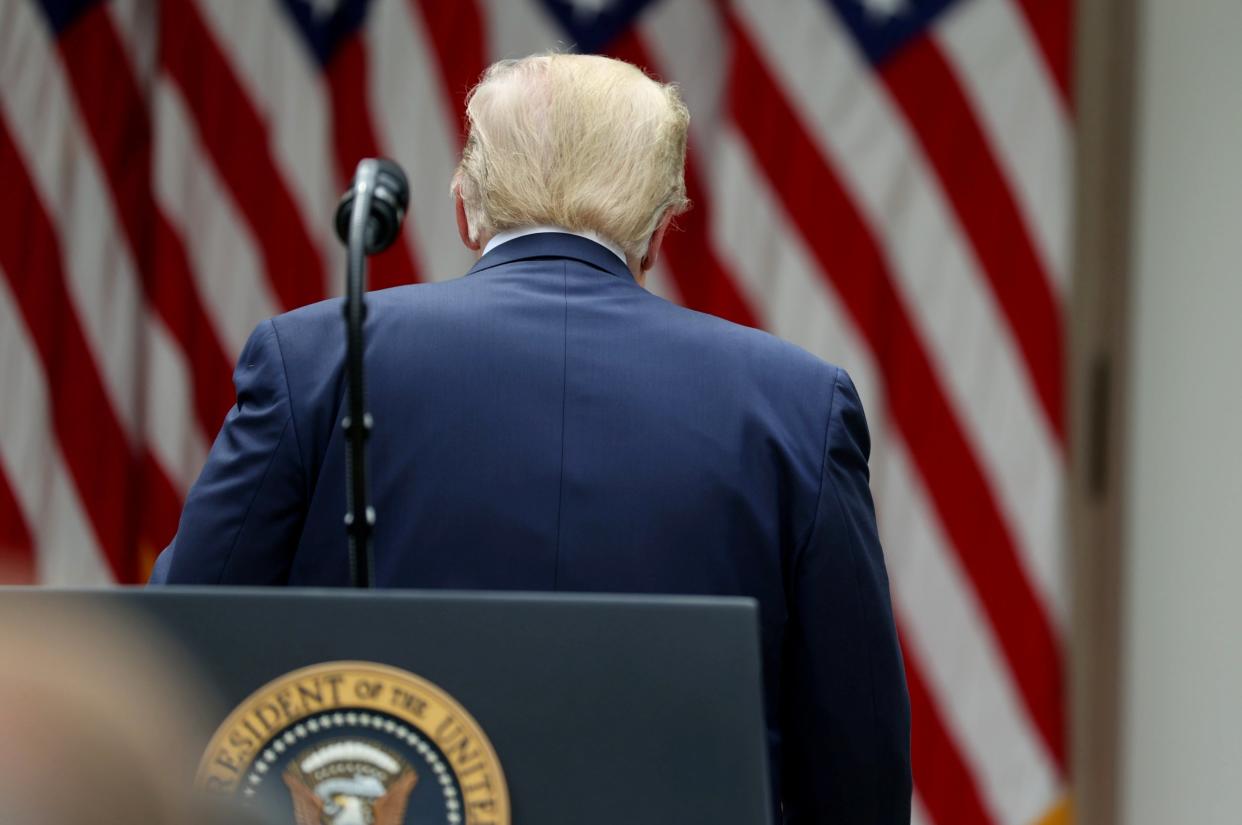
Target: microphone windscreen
(390,198)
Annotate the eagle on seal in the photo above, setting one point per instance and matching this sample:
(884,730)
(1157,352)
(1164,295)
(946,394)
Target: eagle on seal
(359,800)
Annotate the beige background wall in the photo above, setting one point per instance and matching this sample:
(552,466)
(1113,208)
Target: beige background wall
(1181,710)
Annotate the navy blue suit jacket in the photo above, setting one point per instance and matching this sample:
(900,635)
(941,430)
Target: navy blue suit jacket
(545,423)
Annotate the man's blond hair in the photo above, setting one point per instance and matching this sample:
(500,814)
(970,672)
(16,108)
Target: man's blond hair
(576,141)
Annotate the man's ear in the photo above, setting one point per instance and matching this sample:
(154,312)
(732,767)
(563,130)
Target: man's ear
(463,223)
(657,242)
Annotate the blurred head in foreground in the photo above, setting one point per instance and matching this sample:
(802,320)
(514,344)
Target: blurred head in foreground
(100,724)
(579,142)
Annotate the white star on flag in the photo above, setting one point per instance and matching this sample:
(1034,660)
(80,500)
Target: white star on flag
(884,10)
(589,9)
(321,9)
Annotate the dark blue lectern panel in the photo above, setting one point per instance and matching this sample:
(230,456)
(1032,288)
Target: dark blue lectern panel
(603,710)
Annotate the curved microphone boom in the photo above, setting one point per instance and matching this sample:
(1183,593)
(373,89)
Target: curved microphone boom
(368,220)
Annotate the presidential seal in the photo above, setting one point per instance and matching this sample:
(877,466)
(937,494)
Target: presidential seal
(357,743)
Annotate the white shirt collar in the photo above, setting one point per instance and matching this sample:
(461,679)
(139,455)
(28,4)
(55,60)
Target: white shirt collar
(513,234)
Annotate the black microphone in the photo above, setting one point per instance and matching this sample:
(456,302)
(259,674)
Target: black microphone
(368,220)
(390,196)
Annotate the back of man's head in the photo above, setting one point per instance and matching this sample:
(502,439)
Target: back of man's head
(576,141)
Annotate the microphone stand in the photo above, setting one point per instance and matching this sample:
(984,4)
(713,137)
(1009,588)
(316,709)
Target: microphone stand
(357,422)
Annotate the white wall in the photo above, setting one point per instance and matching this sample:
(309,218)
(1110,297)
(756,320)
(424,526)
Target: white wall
(1182,712)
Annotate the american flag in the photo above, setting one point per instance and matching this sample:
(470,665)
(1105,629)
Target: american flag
(884,182)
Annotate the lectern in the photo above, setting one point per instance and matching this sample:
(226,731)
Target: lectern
(468,709)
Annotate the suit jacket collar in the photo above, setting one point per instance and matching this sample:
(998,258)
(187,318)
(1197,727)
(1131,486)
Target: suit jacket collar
(553,245)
